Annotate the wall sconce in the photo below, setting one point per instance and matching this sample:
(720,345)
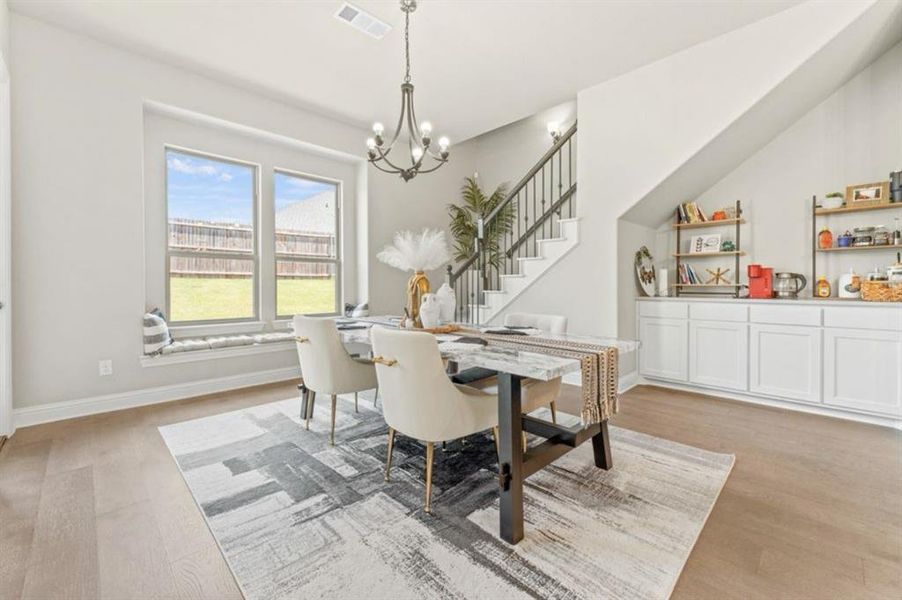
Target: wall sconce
(554,130)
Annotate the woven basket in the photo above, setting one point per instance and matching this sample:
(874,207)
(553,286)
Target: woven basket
(881,291)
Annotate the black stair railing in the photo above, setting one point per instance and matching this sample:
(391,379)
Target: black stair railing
(544,196)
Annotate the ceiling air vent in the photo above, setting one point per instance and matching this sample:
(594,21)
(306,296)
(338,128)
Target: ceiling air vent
(363,21)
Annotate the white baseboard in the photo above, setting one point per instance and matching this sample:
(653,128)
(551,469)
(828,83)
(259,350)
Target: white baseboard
(776,403)
(57,411)
(627,380)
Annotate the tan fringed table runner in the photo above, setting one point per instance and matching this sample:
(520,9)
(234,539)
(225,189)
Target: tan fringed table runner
(598,362)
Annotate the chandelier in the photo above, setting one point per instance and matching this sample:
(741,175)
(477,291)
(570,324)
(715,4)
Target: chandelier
(419,135)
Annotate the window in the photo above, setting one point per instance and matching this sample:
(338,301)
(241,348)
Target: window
(211,257)
(308,267)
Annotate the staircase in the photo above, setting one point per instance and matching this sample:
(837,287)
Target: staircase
(507,259)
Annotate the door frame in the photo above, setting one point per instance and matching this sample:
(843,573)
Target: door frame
(7,427)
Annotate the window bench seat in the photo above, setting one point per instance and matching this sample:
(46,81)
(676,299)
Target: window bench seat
(220,346)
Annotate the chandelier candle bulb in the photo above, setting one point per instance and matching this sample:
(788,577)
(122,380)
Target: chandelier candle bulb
(371,143)
(426,128)
(378,128)
(416,154)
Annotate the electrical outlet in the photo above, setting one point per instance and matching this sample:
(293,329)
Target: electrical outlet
(105,368)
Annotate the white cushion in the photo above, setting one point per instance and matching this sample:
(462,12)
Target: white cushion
(186,346)
(228,341)
(269,338)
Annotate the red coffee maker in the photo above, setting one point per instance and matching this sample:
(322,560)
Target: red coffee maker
(761,282)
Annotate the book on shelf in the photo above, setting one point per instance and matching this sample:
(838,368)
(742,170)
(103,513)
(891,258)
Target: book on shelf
(688,276)
(689,212)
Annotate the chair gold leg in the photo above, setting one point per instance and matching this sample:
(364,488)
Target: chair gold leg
(391,447)
(495,434)
(553,406)
(355,402)
(332,435)
(376,396)
(430,454)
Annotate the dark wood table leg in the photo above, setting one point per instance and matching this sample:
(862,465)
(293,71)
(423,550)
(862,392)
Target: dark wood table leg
(304,394)
(510,425)
(601,446)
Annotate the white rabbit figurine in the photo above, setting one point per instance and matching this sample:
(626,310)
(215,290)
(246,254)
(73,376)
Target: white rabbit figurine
(449,302)
(430,311)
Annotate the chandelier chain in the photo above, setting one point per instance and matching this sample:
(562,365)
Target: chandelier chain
(407,45)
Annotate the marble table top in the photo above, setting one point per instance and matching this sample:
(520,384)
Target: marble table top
(507,360)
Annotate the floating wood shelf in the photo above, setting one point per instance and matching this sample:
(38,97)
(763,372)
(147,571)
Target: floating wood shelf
(856,248)
(708,224)
(699,254)
(850,209)
(705,285)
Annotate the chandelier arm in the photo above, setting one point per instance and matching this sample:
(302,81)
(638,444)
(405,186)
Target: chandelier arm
(384,170)
(400,121)
(412,133)
(435,168)
(384,157)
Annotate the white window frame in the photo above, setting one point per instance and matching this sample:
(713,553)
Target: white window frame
(254,256)
(337,260)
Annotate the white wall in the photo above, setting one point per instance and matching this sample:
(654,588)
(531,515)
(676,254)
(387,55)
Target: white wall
(504,155)
(4,30)
(638,129)
(78,230)
(854,136)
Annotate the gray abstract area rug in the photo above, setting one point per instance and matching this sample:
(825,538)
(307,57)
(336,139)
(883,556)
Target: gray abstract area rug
(298,518)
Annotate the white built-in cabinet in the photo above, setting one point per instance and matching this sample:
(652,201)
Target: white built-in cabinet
(785,361)
(718,354)
(842,358)
(666,359)
(863,370)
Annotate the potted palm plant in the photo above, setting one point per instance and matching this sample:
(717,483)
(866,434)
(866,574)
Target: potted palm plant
(465,218)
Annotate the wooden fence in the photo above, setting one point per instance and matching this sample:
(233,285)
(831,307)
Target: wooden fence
(291,248)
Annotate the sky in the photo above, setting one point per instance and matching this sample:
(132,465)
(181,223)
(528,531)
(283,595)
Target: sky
(204,189)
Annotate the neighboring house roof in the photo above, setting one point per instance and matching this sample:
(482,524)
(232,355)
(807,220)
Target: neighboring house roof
(316,214)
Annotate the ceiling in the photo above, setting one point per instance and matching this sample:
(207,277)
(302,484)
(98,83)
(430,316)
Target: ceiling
(476,65)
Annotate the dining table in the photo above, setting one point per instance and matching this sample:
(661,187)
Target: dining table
(512,366)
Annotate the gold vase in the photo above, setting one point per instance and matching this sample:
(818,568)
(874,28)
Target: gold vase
(417,286)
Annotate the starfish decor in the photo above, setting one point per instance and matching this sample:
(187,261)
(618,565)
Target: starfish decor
(718,276)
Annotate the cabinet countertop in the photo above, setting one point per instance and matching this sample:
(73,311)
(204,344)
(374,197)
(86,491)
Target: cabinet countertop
(769,301)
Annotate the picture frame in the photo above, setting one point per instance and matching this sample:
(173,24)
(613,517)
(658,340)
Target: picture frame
(868,194)
(704,244)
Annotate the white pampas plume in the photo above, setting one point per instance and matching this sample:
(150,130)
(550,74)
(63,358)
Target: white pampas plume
(422,251)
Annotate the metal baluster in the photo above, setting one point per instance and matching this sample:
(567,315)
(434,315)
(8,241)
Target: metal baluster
(544,235)
(570,174)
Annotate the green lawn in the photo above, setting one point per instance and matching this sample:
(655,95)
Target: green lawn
(200,298)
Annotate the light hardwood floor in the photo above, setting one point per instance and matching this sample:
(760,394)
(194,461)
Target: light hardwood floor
(95,507)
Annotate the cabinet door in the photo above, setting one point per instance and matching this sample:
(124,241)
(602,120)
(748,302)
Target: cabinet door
(785,361)
(662,354)
(863,370)
(718,354)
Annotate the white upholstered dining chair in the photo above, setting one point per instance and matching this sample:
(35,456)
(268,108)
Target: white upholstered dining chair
(326,366)
(418,399)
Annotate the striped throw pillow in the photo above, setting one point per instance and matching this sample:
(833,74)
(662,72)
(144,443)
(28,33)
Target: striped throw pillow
(156,332)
